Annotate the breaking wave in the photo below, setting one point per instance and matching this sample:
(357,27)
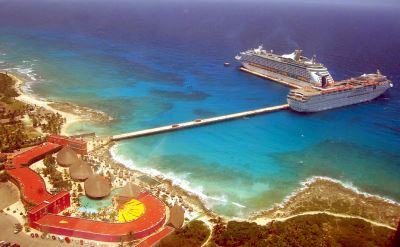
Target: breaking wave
(210,201)
(348,185)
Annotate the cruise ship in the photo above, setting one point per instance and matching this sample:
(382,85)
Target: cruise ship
(332,95)
(293,69)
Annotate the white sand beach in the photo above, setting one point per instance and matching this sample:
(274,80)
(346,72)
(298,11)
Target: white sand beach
(29,99)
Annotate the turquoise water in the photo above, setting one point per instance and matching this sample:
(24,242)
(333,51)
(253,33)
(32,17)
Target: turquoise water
(146,73)
(92,205)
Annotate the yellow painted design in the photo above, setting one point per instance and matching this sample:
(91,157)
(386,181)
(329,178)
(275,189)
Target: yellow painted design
(63,222)
(131,210)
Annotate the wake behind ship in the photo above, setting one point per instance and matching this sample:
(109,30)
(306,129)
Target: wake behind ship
(292,69)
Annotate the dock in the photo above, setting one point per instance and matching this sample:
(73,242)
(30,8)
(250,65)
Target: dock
(286,83)
(197,122)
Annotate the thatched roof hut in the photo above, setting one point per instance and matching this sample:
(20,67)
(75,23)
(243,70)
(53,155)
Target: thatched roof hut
(97,186)
(177,216)
(66,157)
(130,190)
(80,171)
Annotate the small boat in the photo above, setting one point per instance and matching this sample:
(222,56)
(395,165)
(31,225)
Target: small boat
(226,64)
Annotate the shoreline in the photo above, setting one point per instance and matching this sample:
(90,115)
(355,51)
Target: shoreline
(283,208)
(68,110)
(195,201)
(320,194)
(167,184)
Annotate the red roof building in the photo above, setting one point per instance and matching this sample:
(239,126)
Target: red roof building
(43,216)
(152,220)
(53,205)
(78,146)
(32,186)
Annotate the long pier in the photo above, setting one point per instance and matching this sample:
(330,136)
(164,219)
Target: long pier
(275,79)
(197,122)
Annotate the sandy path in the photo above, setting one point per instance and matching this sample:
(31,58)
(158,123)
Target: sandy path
(263,221)
(28,99)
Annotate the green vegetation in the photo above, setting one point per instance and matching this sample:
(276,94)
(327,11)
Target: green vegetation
(306,230)
(55,176)
(49,122)
(80,188)
(15,136)
(14,133)
(9,107)
(193,234)
(7,86)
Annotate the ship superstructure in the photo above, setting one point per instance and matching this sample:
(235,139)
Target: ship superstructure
(293,69)
(332,95)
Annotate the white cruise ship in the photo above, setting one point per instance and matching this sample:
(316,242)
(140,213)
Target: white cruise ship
(292,69)
(332,95)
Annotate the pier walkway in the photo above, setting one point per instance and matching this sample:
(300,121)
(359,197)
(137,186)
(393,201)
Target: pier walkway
(275,79)
(197,122)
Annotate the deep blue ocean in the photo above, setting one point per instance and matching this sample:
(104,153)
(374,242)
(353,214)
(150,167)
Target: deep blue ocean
(155,63)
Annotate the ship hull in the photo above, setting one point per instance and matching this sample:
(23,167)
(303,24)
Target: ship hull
(290,69)
(327,102)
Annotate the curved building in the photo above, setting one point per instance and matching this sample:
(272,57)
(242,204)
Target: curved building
(43,216)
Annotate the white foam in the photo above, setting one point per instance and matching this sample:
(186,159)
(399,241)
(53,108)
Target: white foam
(238,204)
(211,201)
(28,72)
(179,181)
(350,186)
(306,184)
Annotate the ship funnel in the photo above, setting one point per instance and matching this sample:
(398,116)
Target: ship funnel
(297,54)
(324,81)
(314,59)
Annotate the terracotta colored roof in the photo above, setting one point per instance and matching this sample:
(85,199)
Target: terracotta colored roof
(48,201)
(35,154)
(32,186)
(34,191)
(68,139)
